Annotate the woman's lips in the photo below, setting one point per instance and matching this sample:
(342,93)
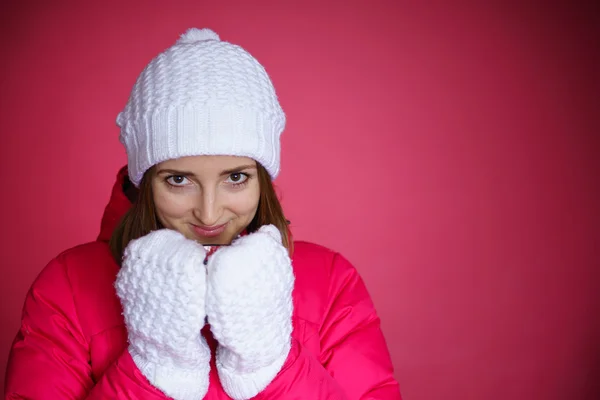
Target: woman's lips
(209,231)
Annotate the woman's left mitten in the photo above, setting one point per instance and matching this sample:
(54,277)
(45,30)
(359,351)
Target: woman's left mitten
(249,307)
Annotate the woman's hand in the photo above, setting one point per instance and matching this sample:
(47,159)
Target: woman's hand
(162,288)
(249,307)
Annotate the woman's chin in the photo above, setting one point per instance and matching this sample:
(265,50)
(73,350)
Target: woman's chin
(223,239)
(213,242)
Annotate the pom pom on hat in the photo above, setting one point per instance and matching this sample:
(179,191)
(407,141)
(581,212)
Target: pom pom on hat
(193,35)
(201,96)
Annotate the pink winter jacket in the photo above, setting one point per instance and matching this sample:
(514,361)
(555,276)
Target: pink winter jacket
(73,341)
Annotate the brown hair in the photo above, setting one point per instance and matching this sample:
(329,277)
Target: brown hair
(141,218)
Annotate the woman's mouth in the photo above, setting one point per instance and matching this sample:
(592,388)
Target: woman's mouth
(209,231)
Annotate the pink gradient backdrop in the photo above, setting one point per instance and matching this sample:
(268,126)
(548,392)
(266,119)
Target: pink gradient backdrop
(451,153)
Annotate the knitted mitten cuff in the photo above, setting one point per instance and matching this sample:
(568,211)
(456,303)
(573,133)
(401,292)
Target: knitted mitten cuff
(247,384)
(177,382)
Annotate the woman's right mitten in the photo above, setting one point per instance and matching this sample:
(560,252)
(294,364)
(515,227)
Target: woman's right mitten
(162,287)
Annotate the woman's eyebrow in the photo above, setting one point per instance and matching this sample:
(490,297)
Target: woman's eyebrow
(175,172)
(238,169)
(188,173)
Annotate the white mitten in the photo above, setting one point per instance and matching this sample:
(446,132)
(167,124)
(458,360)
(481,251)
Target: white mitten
(162,287)
(249,308)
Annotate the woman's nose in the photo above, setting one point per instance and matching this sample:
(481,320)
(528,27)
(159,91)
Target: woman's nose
(208,209)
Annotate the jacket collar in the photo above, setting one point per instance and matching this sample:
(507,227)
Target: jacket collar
(116,207)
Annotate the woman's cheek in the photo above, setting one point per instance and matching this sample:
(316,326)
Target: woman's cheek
(174,205)
(246,203)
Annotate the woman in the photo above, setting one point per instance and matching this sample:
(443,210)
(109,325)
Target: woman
(194,288)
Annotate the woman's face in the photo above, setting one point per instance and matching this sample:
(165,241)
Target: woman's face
(210,199)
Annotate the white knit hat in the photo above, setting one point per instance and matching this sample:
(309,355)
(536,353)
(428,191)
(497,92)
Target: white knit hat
(201,96)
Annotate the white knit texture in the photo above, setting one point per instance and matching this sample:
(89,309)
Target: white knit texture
(249,307)
(201,96)
(162,288)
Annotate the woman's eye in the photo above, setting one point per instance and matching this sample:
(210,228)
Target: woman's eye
(177,180)
(237,178)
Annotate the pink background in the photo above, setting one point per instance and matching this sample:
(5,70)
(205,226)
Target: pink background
(451,153)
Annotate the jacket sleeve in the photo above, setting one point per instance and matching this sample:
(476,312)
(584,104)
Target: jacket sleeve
(50,357)
(354,362)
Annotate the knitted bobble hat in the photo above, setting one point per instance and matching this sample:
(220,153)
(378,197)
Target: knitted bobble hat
(201,96)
